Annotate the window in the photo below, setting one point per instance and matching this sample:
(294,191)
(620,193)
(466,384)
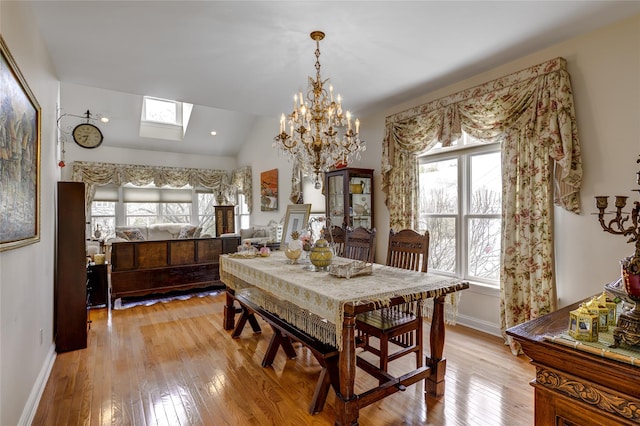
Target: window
(164,119)
(161,111)
(244,217)
(141,214)
(145,206)
(103,218)
(460,205)
(206,214)
(103,212)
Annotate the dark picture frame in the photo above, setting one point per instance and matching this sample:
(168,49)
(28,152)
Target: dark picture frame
(296,219)
(20,116)
(269,190)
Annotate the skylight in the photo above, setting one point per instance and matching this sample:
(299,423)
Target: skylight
(161,111)
(164,118)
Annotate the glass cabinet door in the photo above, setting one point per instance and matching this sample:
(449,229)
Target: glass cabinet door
(360,193)
(349,197)
(335,198)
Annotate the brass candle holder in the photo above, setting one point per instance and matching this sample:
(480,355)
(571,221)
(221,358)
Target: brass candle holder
(626,224)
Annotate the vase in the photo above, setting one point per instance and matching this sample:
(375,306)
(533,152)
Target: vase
(321,255)
(293,250)
(628,325)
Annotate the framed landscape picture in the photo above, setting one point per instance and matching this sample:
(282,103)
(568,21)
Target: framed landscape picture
(269,190)
(19,157)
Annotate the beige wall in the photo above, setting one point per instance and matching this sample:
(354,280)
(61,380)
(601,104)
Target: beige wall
(26,274)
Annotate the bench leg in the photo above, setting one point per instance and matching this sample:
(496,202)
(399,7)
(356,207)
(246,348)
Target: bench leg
(321,392)
(278,339)
(328,377)
(247,314)
(253,321)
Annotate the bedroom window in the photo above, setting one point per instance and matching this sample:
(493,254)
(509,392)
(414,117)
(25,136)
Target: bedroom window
(460,205)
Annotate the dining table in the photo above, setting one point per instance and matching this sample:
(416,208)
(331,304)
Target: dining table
(324,306)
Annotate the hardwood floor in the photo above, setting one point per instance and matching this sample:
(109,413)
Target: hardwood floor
(173,364)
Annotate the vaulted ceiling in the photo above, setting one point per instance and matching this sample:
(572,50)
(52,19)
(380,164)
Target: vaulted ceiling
(241,60)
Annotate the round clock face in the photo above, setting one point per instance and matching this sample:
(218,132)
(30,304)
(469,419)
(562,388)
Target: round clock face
(87,135)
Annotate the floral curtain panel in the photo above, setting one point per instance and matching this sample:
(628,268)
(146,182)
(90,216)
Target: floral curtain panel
(241,180)
(93,174)
(532,113)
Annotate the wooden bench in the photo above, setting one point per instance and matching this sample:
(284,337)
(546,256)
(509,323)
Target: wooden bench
(284,334)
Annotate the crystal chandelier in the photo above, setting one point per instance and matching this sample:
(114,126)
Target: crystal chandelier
(317,136)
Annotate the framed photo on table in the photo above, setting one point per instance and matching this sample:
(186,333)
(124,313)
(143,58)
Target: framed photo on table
(296,219)
(19,157)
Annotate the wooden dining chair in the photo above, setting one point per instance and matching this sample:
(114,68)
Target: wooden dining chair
(399,325)
(336,237)
(360,244)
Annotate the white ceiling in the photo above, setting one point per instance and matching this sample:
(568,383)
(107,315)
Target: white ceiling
(239,60)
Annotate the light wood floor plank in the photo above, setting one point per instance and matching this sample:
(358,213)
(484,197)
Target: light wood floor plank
(173,364)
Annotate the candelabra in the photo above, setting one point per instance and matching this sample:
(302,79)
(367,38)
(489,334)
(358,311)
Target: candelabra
(628,326)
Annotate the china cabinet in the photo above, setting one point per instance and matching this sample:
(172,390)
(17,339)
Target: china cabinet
(225,220)
(349,197)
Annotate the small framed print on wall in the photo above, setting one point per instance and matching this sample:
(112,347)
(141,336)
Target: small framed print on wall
(269,190)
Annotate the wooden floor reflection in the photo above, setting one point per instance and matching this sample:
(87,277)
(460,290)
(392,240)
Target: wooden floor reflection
(173,364)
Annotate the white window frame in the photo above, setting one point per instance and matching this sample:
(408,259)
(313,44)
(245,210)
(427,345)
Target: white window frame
(463,153)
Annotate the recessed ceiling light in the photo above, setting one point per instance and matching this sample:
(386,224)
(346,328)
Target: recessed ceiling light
(213,133)
(105,119)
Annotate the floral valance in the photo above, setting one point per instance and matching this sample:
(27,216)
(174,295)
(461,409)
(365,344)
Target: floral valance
(94,174)
(537,100)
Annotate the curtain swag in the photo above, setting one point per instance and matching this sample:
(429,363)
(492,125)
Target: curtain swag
(537,100)
(96,174)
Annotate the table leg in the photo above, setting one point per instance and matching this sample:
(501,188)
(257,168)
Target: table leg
(228,317)
(346,405)
(434,384)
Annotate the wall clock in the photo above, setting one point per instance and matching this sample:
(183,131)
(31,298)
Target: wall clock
(87,135)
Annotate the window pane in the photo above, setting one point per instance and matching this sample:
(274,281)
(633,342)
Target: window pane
(103,208)
(142,209)
(141,214)
(103,227)
(176,213)
(484,248)
(486,184)
(160,110)
(206,202)
(440,182)
(442,243)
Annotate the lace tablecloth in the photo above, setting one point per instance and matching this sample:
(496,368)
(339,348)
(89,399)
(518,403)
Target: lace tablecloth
(324,296)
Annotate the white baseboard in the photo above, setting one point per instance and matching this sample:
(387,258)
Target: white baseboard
(476,324)
(29,411)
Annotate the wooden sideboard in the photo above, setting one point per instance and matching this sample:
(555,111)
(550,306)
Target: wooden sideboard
(140,268)
(573,387)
